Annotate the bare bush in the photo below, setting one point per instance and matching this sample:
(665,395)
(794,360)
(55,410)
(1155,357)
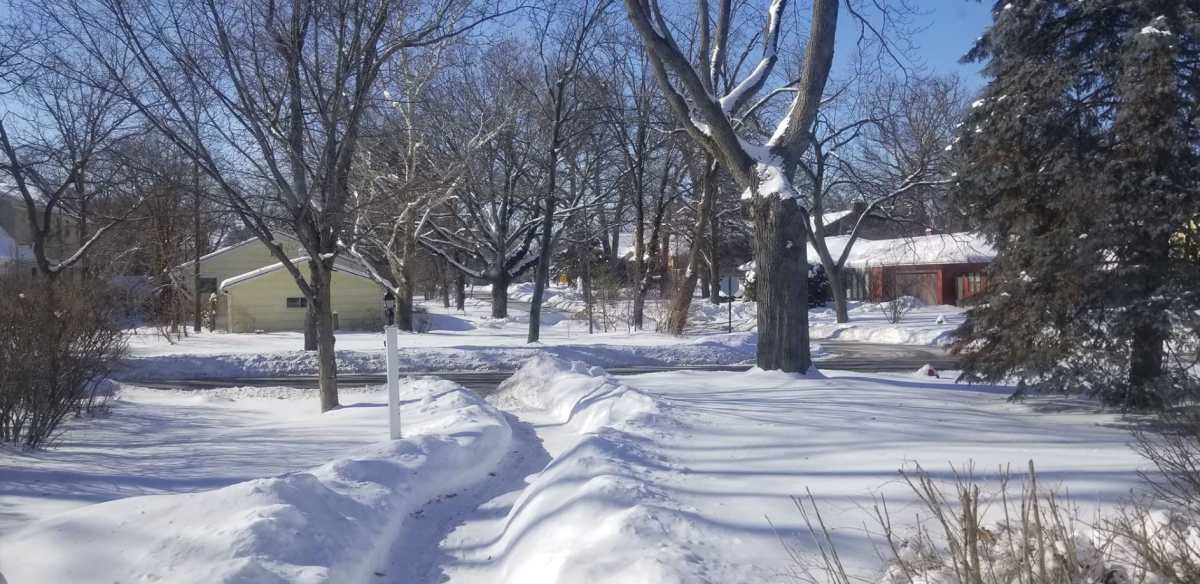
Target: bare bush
(57,345)
(1029,535)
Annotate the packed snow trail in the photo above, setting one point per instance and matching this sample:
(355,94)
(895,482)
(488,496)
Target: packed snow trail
(689,476)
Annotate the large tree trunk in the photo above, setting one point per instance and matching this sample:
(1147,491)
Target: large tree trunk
(781,285)
(404,301)
(500,295)
(681,300)
(326,356)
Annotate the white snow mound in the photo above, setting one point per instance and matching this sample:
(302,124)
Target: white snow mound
(330,524)
(592,515)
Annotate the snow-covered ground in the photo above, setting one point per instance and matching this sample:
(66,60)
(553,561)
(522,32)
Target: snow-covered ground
(469,340)
(567,474)
(920,325)
(238,485)
(473,341)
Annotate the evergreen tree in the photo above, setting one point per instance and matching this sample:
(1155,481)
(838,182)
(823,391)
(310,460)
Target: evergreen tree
(1079,162)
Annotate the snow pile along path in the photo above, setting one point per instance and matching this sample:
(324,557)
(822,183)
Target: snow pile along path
(328,524)
(593,514)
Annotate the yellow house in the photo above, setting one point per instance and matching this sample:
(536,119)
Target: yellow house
(248,289)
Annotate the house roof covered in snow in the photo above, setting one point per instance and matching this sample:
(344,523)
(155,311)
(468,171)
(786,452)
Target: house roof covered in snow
(828,219)
(949,248)
(228,248)
(339,265)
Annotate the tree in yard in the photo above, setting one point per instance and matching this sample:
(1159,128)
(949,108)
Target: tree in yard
(564,53)
(888,153)
(765,170)
(486,230)
(287,88)
(60,155)
(402,174)
(1079,163)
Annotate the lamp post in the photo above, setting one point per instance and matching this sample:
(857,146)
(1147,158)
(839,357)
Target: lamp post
(389,308)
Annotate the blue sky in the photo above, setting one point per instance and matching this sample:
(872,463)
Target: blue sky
(949,27)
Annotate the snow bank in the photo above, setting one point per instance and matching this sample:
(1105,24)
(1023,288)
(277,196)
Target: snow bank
(919,324)
(564,298)
(329,524)
(479,356)
(590,516)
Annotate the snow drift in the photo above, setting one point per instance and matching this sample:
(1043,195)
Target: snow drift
(329,524)
(591,515)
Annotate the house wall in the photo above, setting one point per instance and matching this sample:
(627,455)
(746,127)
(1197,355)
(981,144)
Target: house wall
(943,277)
(261,304)
(246,257)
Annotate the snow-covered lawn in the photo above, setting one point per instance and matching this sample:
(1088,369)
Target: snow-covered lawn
(567,474)
(468,340)
(239,485)
(921,325)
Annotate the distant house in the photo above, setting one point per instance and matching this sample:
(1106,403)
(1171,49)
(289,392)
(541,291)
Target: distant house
(16,238)
(938,269)
(13,256)
(249,290)
(874,225)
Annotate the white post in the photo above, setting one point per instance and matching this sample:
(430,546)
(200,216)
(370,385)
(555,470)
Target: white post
(393,381)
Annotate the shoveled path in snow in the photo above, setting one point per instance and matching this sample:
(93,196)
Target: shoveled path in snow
(702,485)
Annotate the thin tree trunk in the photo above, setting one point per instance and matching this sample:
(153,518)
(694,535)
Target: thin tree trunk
(781,285)
(322,281)
(445,285)
(681,301)
(198,304)
(460,287)
(714,261)
(542,272)
(587,287)
(837,289)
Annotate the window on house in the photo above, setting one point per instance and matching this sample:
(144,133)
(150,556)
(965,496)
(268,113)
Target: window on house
(300,302)
(207,285)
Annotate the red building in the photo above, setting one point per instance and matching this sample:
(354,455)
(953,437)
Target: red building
(938,269)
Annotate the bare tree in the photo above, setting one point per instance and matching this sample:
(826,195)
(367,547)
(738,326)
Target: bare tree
(563,54)
(890,154)
(289,85)
(765,170)
(487,229)
(402,175)
(64,157)
(681,300)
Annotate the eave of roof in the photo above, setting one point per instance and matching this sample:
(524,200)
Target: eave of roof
(338,266)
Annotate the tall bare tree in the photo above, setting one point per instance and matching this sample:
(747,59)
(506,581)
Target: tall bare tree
(765,170)
(568,37)
(289,84)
